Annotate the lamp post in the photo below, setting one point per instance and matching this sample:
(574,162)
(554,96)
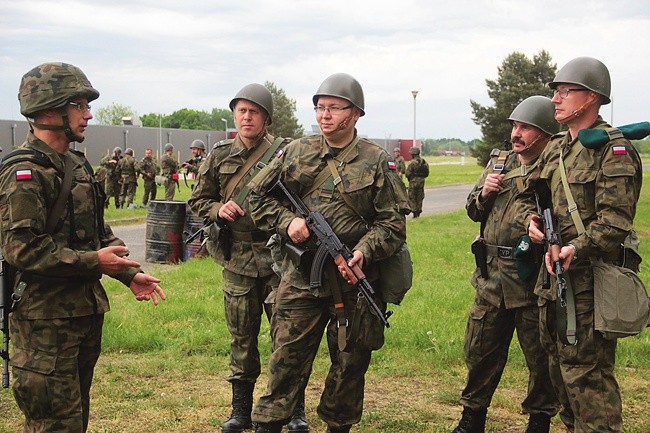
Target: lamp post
(225,128)
(415,94)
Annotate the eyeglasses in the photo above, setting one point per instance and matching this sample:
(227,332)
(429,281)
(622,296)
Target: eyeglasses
(80,106)
(564,93)
(333,110)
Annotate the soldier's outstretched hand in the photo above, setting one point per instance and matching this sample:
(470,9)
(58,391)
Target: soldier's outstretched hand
(145,288)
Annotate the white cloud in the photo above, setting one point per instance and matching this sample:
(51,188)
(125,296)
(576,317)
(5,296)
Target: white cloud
(160,56)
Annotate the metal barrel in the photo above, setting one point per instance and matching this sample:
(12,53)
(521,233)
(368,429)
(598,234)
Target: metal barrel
(164,231)
(192,224)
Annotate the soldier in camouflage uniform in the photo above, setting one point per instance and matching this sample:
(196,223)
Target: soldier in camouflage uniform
(400,164)
(56,326)
(504,299)
(373,231)
(112,180)
(248,276)
(416,172)
(128,170)
(169,168)
(198,155)
(148,168)
(605,181)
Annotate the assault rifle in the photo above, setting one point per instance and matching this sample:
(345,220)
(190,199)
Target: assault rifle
(218,231)
(329,244)
(6,284)
(565,304)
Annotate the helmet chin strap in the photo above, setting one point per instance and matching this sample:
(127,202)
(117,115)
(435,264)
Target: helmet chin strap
(65,128)
(344,123)
(577,113)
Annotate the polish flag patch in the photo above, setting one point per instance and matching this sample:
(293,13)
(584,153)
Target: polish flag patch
(23,174)
(279,153)
(391,165)
(619,150)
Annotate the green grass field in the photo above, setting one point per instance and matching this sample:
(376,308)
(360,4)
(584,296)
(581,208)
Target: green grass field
(163,369)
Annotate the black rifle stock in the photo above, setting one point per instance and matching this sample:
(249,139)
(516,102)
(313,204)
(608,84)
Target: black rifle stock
(5,307)
(329,244)
(546,277)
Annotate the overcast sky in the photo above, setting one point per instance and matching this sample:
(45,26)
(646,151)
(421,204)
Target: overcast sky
(163,55)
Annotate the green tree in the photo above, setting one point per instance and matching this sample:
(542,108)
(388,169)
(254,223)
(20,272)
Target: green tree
(113,114)
(285,123)
(217,116)
(519,78)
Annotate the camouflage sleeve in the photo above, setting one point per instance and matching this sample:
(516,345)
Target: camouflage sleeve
(474,206)
(206,196)
(23,214)
(617,187)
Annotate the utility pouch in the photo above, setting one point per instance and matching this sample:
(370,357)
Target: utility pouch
(301,257)
(396,275)
(220,234)
(479,249)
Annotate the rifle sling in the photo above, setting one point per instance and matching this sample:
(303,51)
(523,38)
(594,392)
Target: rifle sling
(263,152)
(59,204)
(324,174)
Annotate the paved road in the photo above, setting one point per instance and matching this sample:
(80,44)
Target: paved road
(436,200)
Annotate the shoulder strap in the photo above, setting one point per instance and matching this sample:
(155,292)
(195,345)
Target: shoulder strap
(324,174)
(258,159)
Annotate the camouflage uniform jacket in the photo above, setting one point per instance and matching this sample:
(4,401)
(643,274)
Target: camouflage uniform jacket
(128,169)
(168,165)
(249,257)
(605,184)
(61,270)
(503,227)
(400,165)
(148,168)
(112,172)
(417,170)
(195,163)
(368,179)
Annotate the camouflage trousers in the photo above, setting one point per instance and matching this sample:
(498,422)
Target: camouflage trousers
(299,320)
(150,189)
(416,195)
(53,363)
(127,192)
(487,340)
(170,189)
(583,375)
(243,298)
(112,189)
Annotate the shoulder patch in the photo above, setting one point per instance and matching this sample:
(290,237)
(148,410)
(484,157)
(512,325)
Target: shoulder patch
(619,150)
(392,165)
(24,174)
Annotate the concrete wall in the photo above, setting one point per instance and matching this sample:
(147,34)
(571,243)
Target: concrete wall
(101,139)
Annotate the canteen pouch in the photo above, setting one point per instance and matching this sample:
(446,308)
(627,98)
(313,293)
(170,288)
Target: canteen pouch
(396,275)
(621,303)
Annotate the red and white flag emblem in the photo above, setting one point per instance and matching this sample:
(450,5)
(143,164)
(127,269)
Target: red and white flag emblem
(619,150)
(23,174)
(391,165)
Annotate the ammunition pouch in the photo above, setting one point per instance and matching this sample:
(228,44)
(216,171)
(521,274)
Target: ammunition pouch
(396,275)
(479,249)
(301,257)
(220,234)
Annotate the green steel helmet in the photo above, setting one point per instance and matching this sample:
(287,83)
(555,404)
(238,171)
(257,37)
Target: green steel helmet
(199,144)
(257,94)
(414,150)
(587,72)
(128,151)
(169,146)
(397,149)
(53,85)
(117,150)
(344,86)
(538,111)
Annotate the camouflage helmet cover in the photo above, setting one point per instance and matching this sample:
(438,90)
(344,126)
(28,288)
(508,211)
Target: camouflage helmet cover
(52,85)
(586,72)
(414,150)
(342,85)
(199,144)
(169,146)
(257,94)
(537,111)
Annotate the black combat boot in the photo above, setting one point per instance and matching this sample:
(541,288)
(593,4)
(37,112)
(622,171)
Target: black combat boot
(298,423)
(538,423)
(342,429)
(270,427)
(242,405)
(472,421)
